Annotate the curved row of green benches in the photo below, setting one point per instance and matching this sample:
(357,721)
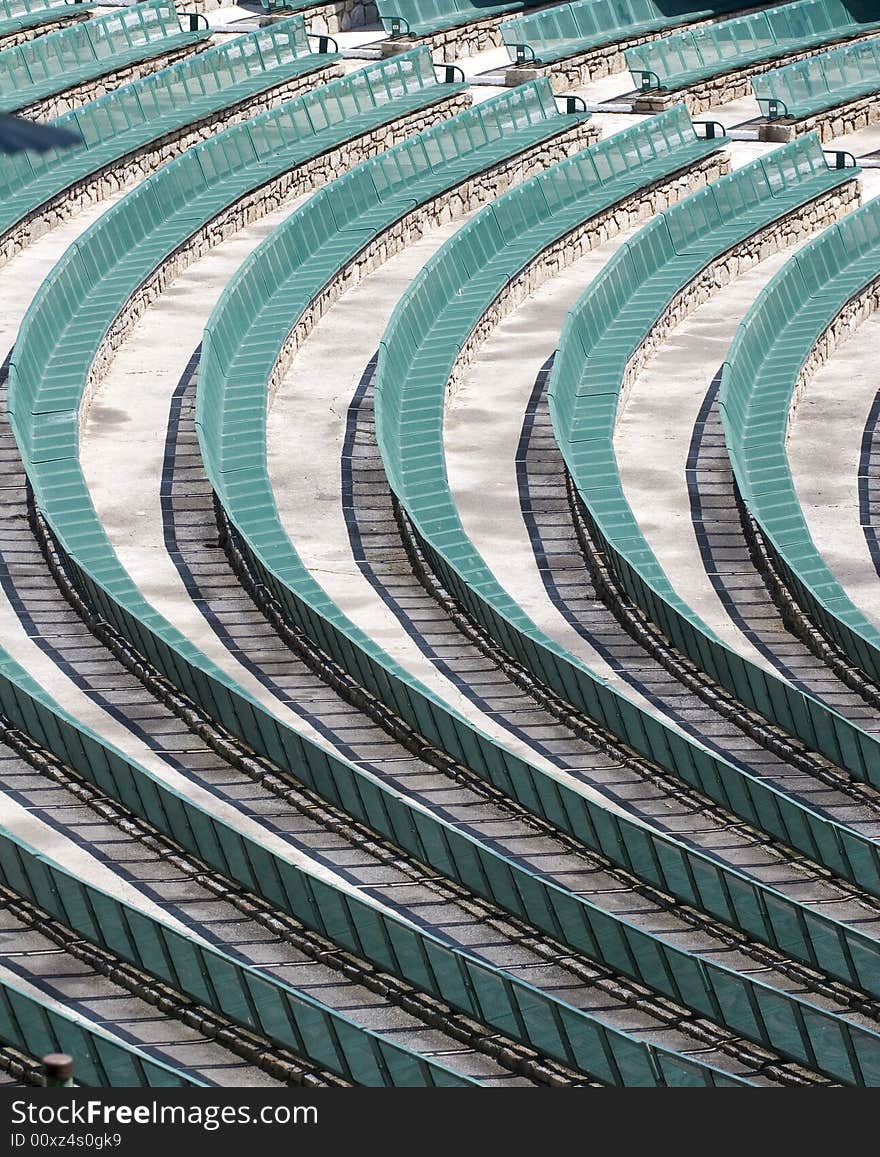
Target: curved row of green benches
(242,342)
(566,29)
(686,58)
(60,60)
(146,111)
(602,332)
(758,381)
(50,365)
(19,15)
(422,17)
(245,994)
(37,1029)
(481,991)
(820,83)
(141,113)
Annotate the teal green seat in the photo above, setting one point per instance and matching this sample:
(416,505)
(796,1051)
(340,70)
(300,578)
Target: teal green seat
(60,60)
(435,319)
(282,278)
(601,335)
(48,373)
(820,83)
(757,384)
(252,998)
(686,58)
(566,29)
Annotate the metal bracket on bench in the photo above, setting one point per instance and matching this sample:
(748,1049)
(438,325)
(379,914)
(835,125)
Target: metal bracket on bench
(776,108)
(840,158)
(450,71)
(525,54)
(194,18)
(399,26)
(649,81)
(711,126)
(574,103)
(324,43)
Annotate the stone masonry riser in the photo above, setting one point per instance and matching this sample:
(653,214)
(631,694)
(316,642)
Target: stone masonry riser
(643,205)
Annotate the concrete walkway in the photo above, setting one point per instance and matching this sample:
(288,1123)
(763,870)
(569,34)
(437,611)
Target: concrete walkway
(824,445)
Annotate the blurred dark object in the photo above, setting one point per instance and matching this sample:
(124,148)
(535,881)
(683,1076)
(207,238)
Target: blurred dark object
(17,134)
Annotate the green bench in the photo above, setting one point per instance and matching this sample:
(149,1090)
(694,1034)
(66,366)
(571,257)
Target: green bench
(567,29)
(60,60)
(820,83)
(424,17)
(758,381)
(37,1029)
(686,58)
(147,110)
(48,371)
(416,355)
(601,334)
(20,15)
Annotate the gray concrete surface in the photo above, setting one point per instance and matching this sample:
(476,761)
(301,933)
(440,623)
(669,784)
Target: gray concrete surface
(824,444)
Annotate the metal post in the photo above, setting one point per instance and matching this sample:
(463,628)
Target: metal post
(58,1071)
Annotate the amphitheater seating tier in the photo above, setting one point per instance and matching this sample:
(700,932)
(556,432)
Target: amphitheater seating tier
(21,15)
(85,51)
(147,110)
(821,82)
(566,29)
(686,58)
(758,381)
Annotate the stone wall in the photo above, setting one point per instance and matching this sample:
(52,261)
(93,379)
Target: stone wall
(79,94)
(303,179)
(707,94)
(641,206)
(831,123)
